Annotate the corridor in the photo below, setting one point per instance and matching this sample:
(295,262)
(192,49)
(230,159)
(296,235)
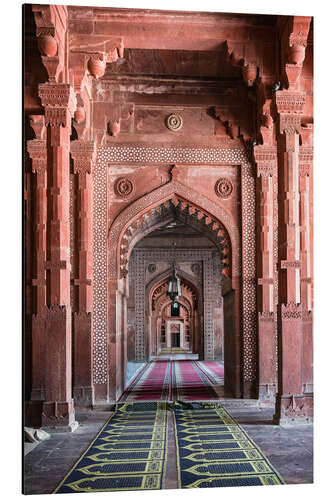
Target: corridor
(174,380)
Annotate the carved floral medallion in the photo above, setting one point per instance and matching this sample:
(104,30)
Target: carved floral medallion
(174,122)
(123,187)
(223,188)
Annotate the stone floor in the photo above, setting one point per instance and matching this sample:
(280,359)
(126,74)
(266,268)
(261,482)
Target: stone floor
(290,449)
(47,463)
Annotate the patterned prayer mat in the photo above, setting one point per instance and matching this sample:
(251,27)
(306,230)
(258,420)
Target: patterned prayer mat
(129,453)
(214,451)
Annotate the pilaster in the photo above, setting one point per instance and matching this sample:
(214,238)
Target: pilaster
(266,160)
(291,404)
(83,155)
(37,151)
(306,251)
(56,318)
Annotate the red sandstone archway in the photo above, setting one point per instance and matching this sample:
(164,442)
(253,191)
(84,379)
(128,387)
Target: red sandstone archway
(138,220)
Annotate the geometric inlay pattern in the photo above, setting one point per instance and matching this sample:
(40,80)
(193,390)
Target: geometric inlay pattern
(138,154)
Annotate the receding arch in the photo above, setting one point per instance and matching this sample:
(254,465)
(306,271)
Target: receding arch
(158,318)
(163,278)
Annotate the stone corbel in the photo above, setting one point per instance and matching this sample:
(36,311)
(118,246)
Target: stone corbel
(48,39)
(266,122)
(118,114)
(296,49)
(233,130)
(298,39)
(37,123)
(250,70)
(293,72)
(91,60)
(250,73)
(81,119)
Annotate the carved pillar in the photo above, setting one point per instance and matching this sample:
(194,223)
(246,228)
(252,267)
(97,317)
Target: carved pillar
(139,294)
(38,153)
(305,182)
(83,156)
(208,309)
(58,407)
(266,159)
(291,403)
(117,323)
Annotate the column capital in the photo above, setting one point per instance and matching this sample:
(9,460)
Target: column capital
(57,95)
(83,154)
(290,107)
(290,102)
(266,160)
(59,101)
(38,153)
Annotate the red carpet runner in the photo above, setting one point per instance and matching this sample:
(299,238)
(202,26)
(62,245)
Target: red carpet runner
(177,380)
(214,370)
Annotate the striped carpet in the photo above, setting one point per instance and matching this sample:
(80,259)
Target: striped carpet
(169,380)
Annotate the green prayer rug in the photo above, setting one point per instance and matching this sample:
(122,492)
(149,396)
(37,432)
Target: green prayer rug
(214,451)
(129,453)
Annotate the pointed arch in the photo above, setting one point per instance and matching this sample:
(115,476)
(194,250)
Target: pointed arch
(154,209)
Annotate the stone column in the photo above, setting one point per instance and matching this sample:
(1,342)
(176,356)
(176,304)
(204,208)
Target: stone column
(124,342)
(291,403)
(181,333)
(208,309)
(266,159)
(168,334)
(38,153)
(305,181)
(58,407)
(83,153)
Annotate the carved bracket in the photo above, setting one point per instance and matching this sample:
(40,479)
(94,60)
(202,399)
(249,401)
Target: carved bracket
(234,130)
(85,60)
